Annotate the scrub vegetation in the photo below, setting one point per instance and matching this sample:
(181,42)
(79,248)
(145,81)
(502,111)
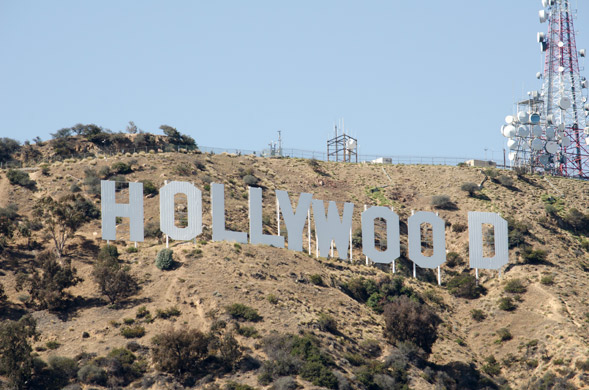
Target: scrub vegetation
(76,311)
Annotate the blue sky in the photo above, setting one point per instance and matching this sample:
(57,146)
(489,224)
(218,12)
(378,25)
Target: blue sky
(431,78)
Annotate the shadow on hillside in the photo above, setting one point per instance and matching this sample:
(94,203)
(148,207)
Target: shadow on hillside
(77,304)
(460,375)
(14,260)
(11,312)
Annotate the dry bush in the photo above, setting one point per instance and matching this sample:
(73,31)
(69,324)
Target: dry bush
(180,351)
(408,320)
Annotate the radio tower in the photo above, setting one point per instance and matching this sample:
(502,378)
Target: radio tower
(550,131)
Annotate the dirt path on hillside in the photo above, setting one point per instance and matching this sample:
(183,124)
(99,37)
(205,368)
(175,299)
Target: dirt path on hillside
(4,191)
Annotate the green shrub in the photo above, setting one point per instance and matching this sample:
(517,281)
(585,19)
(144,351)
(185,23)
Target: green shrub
(547,280)
(465,286)
(92,374)
(241,312)
(316,279)
(576,221)
(319,375)
(52,344)
(120,168)
(492,366)
(165,259)
(471,188)
(453,259)
(582,365)
(237,386)
(442,202)
(108,252)
(327,323)
(506,303)
(477,315)
(142,312)
(504,334)
(131,249)
(505,181)
(248,331)
(370,348)
(63,366)
(459,228)
(534,256)
(167,313)
(21,178)
(251,180)
(133,332)
(355,359)
(515,286)
(149,188)
(273,299)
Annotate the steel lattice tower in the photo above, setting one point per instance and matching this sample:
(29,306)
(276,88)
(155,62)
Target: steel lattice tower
(549,133)
(563,85)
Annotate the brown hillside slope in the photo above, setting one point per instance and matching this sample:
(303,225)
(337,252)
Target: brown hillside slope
(548,326)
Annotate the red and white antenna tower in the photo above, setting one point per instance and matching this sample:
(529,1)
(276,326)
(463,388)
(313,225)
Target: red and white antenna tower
(550,132)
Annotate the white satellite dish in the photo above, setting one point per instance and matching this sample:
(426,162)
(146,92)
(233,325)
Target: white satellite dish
(544,3)
(539,75)
(587,107)
(543,15)
(523,131)
(534,118)
(550,118)
(584,84)
(522,116)
(565,142)
(512,144)
(586,130)
(582,53)
(587,140)
(540,37)
(550,132)
(351,144)
(561,69)
(509,119)
(564,103)
(537,144)
(561,127)
(552,147)
(509,131)
(560,44)
(503,128)
(536,131)
(544,159)
(513,154)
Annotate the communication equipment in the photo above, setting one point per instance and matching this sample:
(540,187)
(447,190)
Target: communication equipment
(550,131)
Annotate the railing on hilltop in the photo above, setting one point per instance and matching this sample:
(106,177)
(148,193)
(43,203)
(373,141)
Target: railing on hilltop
(286,153)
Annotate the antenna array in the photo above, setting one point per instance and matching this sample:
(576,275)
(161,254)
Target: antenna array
(549,132)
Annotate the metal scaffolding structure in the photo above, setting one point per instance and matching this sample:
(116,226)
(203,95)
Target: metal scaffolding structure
(342,145)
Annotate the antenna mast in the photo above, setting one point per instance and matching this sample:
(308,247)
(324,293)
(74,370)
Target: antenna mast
(550,131)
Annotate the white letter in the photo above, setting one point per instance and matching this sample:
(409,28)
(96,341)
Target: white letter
(218,210)
(256,229)
(194,206)
(295,222)
(111,210)
(439,239)
(333,228)
(476,220)
(393,240)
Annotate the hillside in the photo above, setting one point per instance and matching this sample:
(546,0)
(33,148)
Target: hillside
(298,294)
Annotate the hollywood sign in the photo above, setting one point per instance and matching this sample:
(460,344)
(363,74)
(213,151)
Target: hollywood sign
(330,229)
